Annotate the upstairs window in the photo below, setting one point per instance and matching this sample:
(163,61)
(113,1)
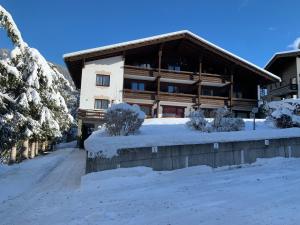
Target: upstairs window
(102,80)
(173,67)
(173,89)
(294,80)
(137,86)
(101,104)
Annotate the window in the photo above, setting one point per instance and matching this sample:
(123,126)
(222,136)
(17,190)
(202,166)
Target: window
(207,91)
(174,67)
(293,80)
(173,89)
(101,103)
(102,80)
(137,86)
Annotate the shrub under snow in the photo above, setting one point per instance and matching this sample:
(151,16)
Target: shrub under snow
(198,121)
(224,122)
(285,113)
(123,119)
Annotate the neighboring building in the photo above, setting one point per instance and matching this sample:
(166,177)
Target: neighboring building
(287,66)
(167,76)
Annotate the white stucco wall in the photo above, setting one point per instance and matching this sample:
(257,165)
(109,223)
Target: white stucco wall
(114,67)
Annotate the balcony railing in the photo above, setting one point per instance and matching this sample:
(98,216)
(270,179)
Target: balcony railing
(176,97)
(134,94)
(91,114)
(213,101)
(244,104)
(176,75)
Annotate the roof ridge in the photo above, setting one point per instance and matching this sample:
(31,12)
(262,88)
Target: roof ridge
(167,35)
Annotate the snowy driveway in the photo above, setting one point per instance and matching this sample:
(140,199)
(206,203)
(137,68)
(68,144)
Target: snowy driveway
(266,192)
(26,186)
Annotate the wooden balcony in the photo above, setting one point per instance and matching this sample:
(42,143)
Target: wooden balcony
(90,114)
(133,94)
(176,97)
(178,75)
(213,101)
(243,104)
(206,78)
(138,71)
(284,90)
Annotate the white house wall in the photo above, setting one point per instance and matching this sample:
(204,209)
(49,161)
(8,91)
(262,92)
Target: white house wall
(114,67)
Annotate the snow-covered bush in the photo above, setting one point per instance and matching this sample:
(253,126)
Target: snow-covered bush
(123,119)
(225,122)
(285,113)
(283,121)
(198,121)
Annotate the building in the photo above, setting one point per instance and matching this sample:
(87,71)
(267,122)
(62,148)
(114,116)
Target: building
(167,75)
(287,66)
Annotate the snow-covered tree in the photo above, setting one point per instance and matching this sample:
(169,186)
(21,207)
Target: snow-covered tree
(32,93)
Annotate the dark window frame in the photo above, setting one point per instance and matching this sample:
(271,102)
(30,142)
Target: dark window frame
(101,103)
(102,83)
(140,86)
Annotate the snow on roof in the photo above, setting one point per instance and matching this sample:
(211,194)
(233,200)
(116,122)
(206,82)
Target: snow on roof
(122,44)
(281,54)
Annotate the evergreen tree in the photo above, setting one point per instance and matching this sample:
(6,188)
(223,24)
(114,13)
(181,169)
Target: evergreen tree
(32,93)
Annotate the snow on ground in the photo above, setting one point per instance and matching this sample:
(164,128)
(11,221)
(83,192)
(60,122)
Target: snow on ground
(173,131)
(18,178)
(266,192)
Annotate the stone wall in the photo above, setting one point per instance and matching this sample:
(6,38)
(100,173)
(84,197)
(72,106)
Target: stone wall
(212,154)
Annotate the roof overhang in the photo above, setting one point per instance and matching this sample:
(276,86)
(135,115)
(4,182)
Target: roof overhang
(280,55)
(75,60)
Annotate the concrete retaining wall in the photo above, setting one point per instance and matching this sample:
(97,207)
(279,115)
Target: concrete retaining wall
(213,154)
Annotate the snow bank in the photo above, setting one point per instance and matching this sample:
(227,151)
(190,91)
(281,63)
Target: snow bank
(167,132)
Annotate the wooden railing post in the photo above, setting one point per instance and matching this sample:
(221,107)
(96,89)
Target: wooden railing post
(231,89)
(158,80)
(199,81)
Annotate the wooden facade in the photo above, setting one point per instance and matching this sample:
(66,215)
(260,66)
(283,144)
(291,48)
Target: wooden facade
(180,72)
(287,66)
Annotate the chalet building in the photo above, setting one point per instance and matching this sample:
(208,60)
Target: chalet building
(167,75)
(287,66)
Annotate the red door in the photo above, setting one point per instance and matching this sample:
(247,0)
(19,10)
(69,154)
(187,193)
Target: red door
(173,111)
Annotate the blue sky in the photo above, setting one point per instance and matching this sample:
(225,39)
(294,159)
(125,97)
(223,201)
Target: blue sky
(252,29)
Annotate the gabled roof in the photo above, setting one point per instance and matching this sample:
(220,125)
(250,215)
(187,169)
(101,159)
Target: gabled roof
(120,47)
(279,55)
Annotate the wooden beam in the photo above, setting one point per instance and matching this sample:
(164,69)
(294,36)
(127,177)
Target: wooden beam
(231,88)
(158,78)
(199,81)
